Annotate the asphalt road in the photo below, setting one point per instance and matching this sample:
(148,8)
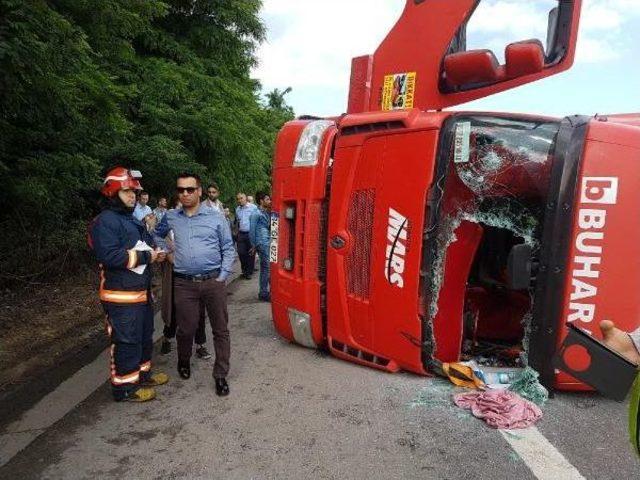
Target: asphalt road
(295,413)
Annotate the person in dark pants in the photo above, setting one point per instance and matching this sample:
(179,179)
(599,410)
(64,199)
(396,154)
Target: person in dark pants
(169,315)
(169,309)
(247,254)
(203,259)
(123,248)
(260,236)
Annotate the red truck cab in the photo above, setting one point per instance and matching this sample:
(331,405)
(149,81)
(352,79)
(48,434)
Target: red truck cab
(404,235)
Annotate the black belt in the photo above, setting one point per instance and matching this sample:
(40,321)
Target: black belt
(198,278)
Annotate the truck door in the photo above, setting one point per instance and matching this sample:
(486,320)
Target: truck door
(376,217)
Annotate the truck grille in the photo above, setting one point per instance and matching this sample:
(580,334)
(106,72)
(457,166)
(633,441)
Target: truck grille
(362,355)
(312,238)
(308,230)
(360,225)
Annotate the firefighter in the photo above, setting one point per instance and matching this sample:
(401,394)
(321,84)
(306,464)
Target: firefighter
(123,248)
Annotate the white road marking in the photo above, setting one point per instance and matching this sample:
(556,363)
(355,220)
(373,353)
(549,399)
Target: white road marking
(542,458)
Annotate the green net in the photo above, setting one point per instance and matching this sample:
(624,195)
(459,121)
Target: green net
(527,386)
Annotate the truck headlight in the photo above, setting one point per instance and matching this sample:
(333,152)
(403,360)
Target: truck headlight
(309,143)
(301,327)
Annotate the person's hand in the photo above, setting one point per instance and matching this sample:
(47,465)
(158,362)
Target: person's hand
(252,251)
(151,221)
(158,256)
(171,258)
(619,341)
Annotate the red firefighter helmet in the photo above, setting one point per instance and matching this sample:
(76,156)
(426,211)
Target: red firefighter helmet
(119,178)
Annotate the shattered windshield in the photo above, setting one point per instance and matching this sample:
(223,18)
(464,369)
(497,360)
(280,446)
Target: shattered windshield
(500,157)
(491,200)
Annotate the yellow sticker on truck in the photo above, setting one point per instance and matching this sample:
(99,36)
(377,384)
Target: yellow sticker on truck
(398,91)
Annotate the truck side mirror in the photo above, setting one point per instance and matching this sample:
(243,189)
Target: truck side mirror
(471,67)
(552,28)
(474,68)
(519,267)
(524,58)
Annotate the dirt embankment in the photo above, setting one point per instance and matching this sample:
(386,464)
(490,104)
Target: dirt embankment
(42,325)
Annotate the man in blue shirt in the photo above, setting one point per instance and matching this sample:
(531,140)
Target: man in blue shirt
(203,256)
(244,210)
(260,237)
(143,211)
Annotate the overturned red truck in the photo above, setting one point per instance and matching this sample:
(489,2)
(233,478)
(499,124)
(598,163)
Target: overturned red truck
(404,234)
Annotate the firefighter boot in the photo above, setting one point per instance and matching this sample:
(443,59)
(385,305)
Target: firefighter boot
(140,395)
(155,379)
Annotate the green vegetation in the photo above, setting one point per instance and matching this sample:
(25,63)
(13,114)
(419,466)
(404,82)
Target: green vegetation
(163,86)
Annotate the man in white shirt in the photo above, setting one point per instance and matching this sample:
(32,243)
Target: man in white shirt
(213,198)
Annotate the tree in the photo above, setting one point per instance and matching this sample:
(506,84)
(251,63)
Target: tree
(164,86)
(277,102)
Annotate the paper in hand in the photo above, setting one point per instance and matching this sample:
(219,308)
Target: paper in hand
(141,247)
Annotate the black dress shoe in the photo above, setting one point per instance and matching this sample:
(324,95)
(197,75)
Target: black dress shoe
(184,371)
(222,387)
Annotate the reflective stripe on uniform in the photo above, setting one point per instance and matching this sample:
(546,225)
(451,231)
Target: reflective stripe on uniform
(121,296)
(133,377)
(133,258)
(122,379)
(120,178)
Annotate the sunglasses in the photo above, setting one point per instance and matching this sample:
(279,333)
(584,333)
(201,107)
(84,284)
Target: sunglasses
(183,190)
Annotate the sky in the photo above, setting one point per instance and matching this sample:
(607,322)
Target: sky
(310,44)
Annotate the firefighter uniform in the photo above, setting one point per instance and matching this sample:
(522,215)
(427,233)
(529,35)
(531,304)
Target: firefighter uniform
(126,294)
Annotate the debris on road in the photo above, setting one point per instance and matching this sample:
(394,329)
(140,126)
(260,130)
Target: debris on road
(501,409)
(528,387)
(437,393)
(463,374)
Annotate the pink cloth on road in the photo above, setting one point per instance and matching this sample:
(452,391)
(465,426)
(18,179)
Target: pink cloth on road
(500,408)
